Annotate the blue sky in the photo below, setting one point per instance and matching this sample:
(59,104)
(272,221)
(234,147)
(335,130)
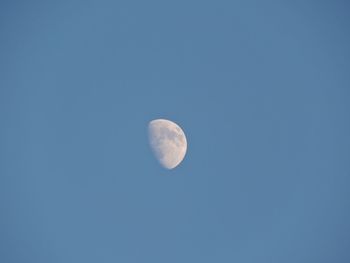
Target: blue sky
(261,90)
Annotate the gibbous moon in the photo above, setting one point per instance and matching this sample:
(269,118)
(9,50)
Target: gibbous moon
(168,142)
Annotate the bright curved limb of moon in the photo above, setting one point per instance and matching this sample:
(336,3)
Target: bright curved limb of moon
(168,142)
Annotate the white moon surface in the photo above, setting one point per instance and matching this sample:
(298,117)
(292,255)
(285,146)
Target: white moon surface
(168,142)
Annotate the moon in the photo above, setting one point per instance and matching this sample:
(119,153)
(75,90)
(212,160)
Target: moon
(168,142)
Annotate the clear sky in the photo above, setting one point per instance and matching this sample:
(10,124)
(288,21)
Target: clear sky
(261,89)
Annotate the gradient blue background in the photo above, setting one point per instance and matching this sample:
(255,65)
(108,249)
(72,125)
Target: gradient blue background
(261,89)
